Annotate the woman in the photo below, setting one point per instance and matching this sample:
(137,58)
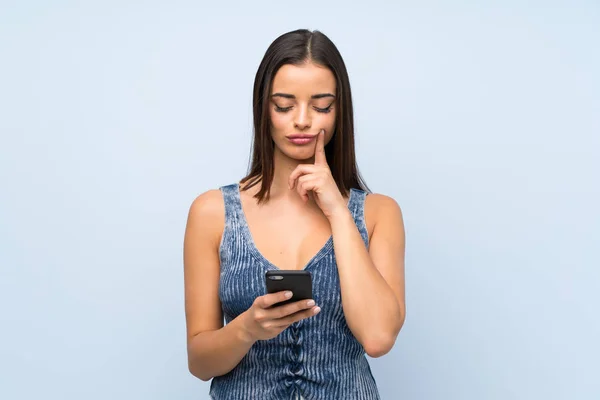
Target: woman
(302,206)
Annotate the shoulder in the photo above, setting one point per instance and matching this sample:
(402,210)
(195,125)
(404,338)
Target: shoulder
(382,209)
(206,214)
(382,203)
(208,204)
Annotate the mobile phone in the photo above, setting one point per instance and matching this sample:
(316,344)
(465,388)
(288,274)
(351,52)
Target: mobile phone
(298,282)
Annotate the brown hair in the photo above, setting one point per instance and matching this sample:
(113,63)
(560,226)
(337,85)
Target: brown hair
(295,48)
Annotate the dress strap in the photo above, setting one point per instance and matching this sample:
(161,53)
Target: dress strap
(233,204)
(356,205)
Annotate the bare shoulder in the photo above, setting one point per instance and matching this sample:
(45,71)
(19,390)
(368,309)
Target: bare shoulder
(382,203)
(201,262)
(380,207)
(207,213)
(209,203)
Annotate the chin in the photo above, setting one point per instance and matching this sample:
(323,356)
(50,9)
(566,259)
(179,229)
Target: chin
(301,156)
(298,154)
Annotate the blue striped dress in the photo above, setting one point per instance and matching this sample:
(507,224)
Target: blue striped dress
(316,358)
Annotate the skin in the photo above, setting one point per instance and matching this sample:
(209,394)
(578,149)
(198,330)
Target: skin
(304,210)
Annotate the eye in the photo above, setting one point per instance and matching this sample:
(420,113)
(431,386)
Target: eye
(323,110)
(282,109)
(318,109)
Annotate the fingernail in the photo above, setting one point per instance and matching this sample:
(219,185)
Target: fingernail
(288,294)
(310,303)
(317,309)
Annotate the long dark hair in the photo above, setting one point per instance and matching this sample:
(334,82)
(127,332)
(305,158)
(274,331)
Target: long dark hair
(296,48)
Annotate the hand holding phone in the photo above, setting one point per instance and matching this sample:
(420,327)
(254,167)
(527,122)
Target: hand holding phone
(273,312)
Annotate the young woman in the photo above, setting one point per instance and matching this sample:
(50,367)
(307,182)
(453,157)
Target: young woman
(303,206)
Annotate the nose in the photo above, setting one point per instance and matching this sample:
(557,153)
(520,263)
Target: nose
(302,118)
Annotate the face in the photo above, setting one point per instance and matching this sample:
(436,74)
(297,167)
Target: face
(302,103)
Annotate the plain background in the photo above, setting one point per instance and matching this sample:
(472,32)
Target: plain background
(480,118)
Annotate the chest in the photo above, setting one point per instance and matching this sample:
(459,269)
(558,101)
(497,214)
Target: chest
(287,236)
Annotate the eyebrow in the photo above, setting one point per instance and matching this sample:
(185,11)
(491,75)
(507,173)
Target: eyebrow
(291,96)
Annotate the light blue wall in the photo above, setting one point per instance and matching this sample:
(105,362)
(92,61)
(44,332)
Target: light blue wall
(481,120)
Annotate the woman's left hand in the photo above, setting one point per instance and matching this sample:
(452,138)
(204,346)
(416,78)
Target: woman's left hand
(317,178)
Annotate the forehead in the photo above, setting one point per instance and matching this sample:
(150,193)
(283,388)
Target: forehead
(303,80)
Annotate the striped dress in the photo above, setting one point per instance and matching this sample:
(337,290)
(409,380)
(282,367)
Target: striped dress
(316,358)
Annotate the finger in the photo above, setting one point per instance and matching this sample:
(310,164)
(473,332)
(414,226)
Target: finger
(320,158)
(290,319)
(289,309)
(301,188)
(270,299)
(300,170)
(305,184)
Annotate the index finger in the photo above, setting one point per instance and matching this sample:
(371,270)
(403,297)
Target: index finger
(320,158)
(270,299)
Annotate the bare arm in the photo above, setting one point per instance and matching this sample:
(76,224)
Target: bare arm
(372,281)
(214,349)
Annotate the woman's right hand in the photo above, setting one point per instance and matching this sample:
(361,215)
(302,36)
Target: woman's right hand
(262,321)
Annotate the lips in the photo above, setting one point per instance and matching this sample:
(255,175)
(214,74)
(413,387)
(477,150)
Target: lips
(301,139)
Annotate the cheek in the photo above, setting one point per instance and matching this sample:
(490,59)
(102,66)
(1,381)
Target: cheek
(328,122)
(278,120)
